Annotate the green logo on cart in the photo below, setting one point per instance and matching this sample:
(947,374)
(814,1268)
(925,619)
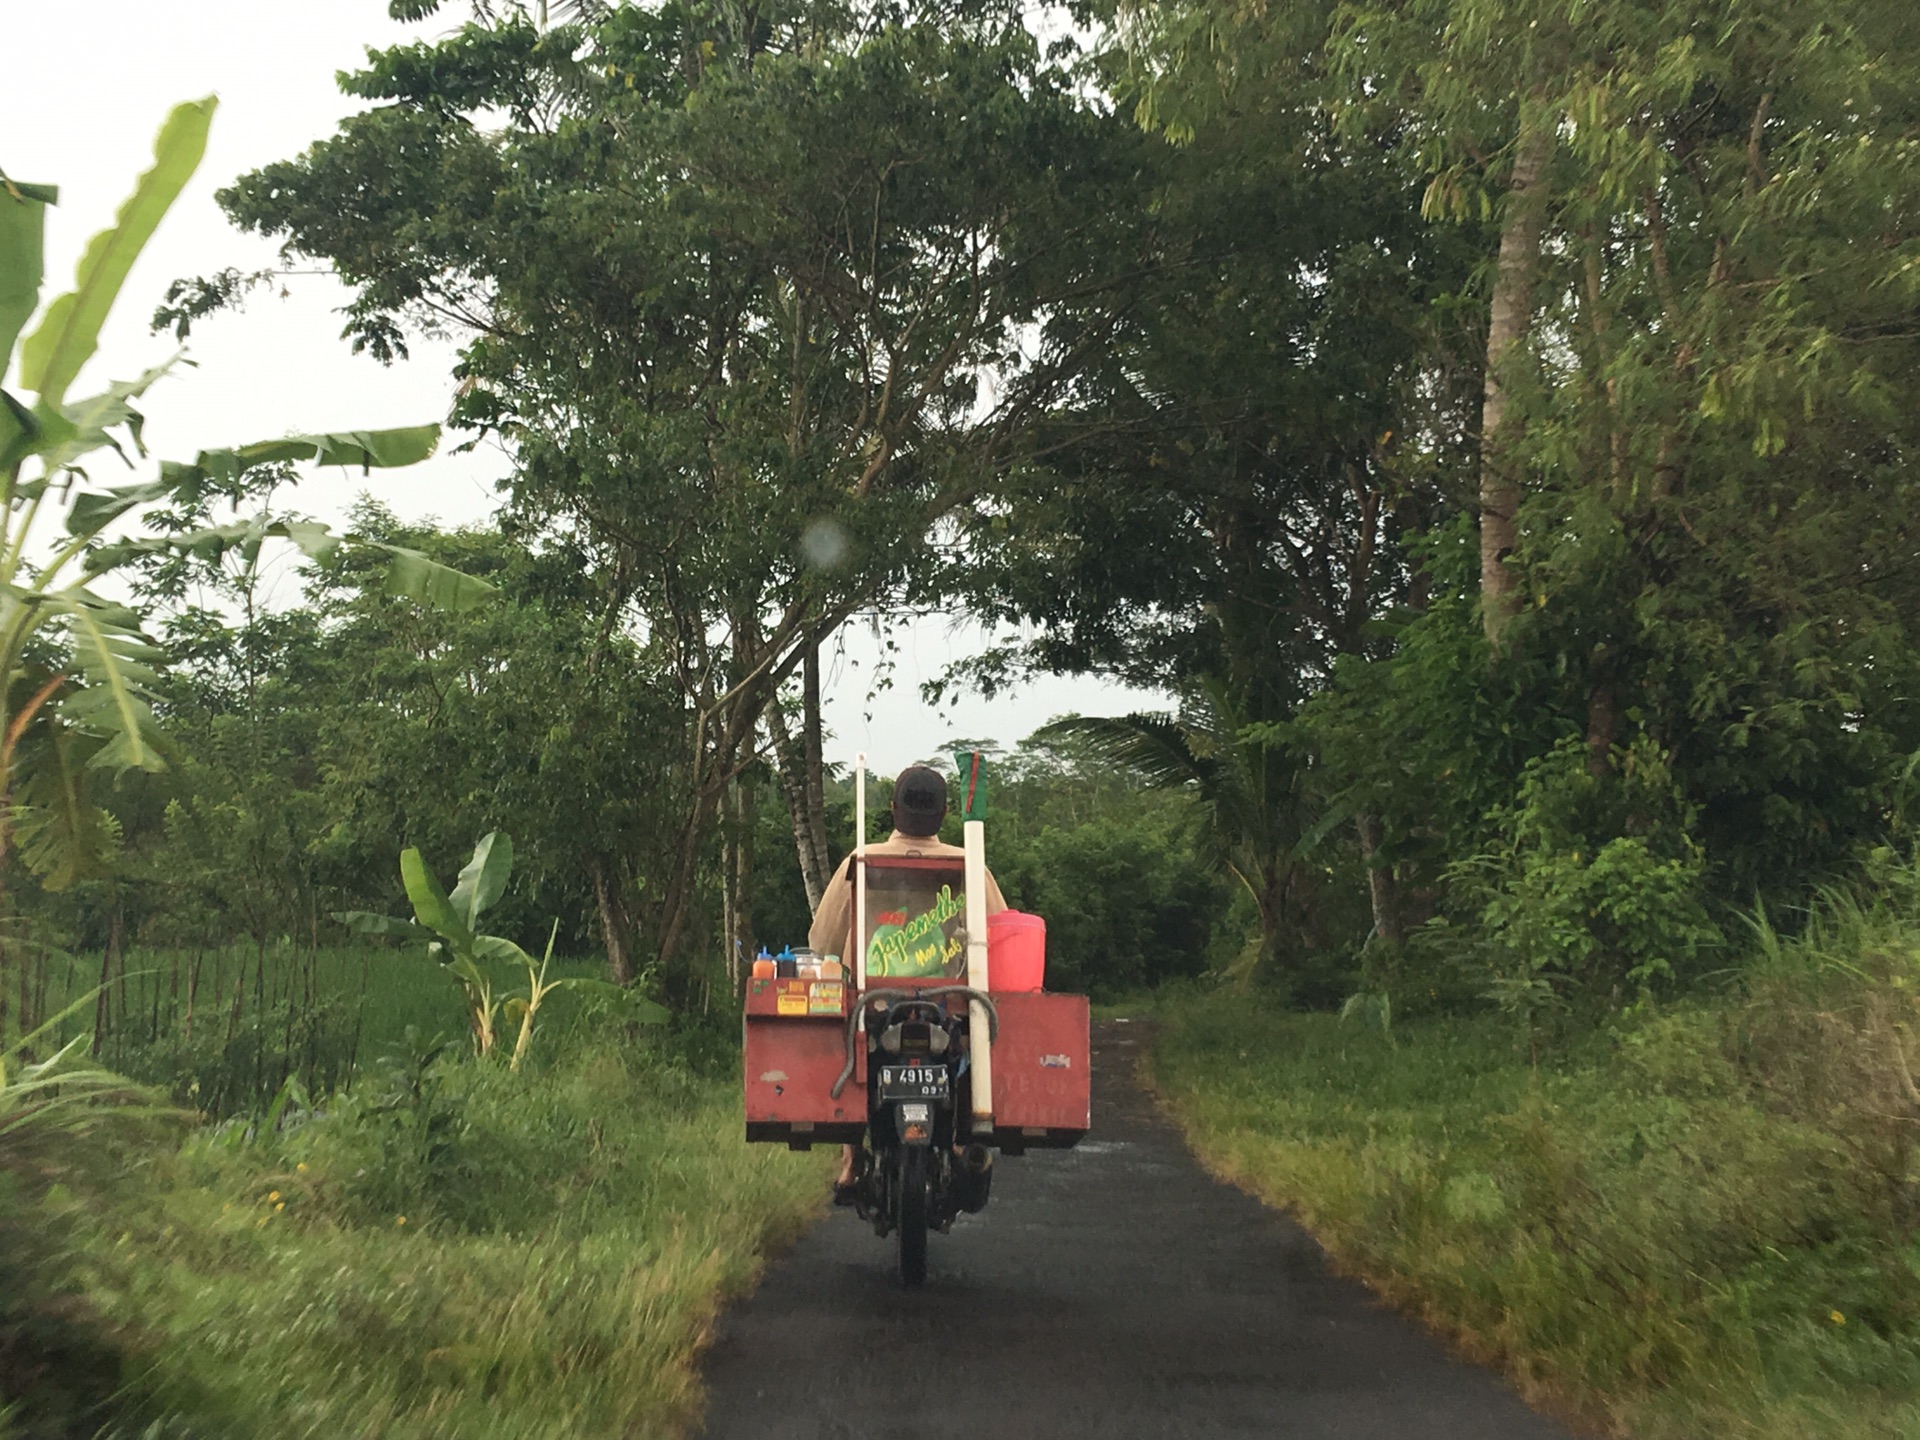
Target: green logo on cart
(920,944)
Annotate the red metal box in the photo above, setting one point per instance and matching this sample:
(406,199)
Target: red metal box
(1041,1079)
(795,1048)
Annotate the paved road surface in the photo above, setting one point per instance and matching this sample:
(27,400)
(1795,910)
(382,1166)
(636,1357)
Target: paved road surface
(1113,1290)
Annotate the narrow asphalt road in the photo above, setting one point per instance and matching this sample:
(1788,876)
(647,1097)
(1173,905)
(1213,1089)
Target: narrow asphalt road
(1113,1290)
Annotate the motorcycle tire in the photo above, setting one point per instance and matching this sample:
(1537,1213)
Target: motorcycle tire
(911,1198)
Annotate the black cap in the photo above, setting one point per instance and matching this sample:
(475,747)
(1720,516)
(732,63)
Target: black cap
(919,801)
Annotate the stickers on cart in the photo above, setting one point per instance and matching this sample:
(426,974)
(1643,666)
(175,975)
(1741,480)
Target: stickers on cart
(824,996)
(1056,1062)
(792,999)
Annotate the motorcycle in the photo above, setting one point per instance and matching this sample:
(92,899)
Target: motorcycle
(912,1053)
(922,1167)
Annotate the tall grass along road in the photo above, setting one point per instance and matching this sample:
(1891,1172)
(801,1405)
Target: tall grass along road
(1108,1291)
(447,1249)
(1698,1222)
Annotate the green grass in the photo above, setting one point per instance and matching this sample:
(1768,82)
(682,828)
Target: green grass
(1702,1223)
(431,1246)
(455,1250)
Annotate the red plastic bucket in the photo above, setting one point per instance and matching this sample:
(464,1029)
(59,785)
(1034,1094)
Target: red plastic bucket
(1016,951)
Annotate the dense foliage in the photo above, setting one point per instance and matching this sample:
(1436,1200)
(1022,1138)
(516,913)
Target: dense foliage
(1489,421)
(1495,446)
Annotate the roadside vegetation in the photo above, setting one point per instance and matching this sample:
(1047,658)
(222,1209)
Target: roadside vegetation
(1488,422)
(443,1246)
(1697,1218)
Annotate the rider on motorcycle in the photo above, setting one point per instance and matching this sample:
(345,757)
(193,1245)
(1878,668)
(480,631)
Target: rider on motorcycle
(919,805)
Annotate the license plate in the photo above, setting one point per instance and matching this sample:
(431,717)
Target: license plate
(913,1082)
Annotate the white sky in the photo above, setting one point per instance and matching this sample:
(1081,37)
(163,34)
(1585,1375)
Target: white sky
(83,115)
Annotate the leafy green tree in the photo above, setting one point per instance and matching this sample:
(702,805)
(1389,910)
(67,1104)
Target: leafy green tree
(747,406)
(1687,471)
(1122,871)
(1249,781)
(1708,466)
(319,741)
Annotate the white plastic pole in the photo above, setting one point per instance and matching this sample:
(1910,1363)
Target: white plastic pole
(860,874)
(974,839)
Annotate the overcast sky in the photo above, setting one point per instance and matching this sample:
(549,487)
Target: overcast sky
(83,117)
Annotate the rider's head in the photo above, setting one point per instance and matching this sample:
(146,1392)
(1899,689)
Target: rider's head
(919,801)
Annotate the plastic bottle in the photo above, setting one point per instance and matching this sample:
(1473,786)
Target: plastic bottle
(763,966)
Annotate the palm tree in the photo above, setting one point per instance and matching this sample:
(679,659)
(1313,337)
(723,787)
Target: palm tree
(1247,776)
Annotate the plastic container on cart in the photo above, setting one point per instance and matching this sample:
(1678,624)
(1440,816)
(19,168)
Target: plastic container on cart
(1016,951)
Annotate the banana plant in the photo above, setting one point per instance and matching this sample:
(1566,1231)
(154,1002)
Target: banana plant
(55,520)
(448,924)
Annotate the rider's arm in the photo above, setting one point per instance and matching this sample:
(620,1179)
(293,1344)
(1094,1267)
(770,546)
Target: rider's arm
(996,902)
(833,921)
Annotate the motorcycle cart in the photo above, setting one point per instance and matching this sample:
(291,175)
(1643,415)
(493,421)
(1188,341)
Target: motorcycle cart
(916,1056)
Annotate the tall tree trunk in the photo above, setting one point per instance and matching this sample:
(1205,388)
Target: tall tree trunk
(1509,323)
(816,775)
(1603,721)
(744,857)
(736,877)
(103,1002)
(680,892)
(1382,887)
(732,936)
(790,756)
(6,949)
(615,928)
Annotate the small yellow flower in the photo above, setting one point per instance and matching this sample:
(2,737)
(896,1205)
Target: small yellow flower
(399,1219)
(301,1167)
(281,1205)
(1836,1317)
(273,1195)
(261,1221)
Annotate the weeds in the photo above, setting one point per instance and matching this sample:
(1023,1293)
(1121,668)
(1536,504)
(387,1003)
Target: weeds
(452,1250)
(1701,1221)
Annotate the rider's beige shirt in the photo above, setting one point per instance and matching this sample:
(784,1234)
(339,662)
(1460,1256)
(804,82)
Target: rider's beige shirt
(832,932)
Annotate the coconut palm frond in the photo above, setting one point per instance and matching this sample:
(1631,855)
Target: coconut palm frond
(1246,773)
(1155,747)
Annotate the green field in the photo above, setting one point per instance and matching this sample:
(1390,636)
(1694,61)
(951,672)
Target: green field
(223,1027)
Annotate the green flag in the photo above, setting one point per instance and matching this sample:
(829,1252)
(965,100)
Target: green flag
(972,765)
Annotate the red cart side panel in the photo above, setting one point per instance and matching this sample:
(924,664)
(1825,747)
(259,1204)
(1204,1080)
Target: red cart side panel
(796,1046)
(1040,1075)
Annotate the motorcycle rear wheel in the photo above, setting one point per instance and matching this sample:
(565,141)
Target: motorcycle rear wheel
(912,1217)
